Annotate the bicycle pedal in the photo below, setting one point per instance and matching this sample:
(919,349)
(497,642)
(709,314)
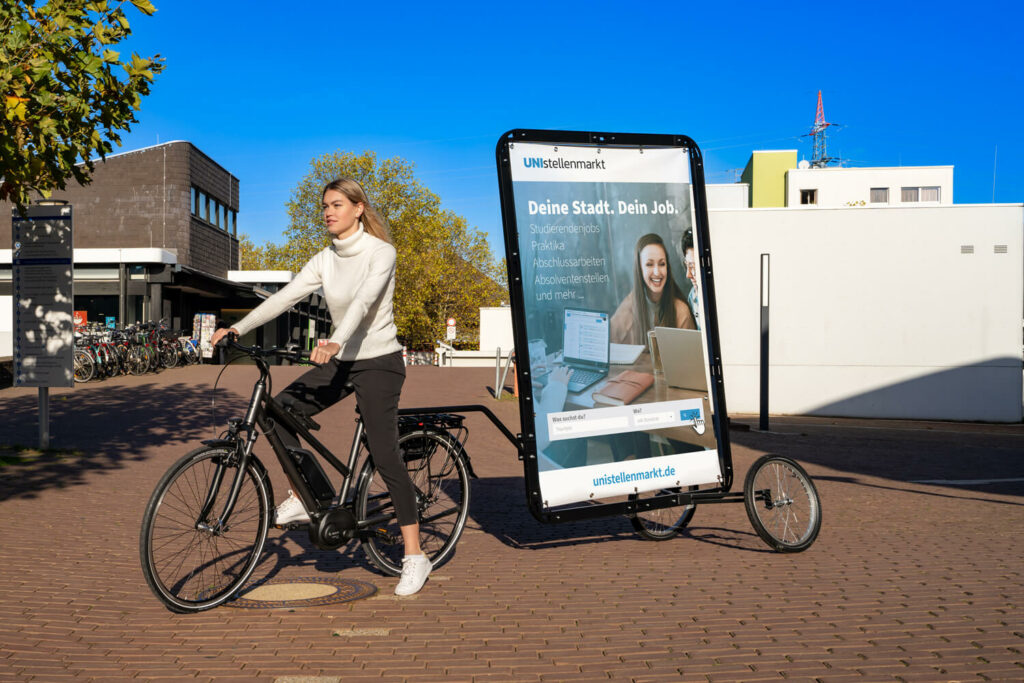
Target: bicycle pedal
(292,526)
(385,536)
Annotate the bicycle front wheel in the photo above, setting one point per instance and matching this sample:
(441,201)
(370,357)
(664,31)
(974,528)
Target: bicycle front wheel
(168,355)
(189,565)
(138,361)
(782,504)
(85,366)
(441,478)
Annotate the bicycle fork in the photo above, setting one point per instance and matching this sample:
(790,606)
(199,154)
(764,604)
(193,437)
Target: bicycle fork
(242,454)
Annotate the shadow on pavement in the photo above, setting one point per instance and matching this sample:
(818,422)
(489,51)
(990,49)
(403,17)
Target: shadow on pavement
(499,509)
(106,426)
(957,457)
(1002,489)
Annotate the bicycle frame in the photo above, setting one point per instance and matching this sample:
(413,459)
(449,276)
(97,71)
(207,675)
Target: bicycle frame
(262,412)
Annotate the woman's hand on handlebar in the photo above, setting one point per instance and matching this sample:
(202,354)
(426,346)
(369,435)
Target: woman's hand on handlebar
(218,335)
(322,354)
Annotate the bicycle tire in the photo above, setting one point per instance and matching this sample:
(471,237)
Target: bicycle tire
(441,477)
(782,504)
(190,570)
(152,357)
(84,365)
(663,523)
(168,355)
(138,360)
(105,364)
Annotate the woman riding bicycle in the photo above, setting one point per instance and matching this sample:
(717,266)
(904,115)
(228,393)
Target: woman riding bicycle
(357,274)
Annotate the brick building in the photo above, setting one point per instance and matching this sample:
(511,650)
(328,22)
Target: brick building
(155,237)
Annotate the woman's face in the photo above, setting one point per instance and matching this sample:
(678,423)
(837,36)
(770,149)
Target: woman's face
(341,215)
(654,266)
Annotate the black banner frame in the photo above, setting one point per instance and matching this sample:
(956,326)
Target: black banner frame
(527,438)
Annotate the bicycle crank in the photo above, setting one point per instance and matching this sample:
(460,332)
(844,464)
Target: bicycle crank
(334,529)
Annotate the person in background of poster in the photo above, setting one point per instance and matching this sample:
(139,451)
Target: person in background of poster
(689,260)
(655,300)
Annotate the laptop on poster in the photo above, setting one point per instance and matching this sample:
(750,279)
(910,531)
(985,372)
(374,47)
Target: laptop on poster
(682,358)
(586,337)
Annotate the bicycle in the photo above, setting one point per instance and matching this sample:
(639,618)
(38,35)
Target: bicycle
(207,521)
(189,349)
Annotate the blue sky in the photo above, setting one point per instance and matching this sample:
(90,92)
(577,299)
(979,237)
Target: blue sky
(264,87)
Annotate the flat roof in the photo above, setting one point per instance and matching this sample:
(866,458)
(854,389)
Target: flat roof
(251,276)
(870,168)
(135,255)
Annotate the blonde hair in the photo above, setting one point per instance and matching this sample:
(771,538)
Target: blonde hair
(372,221)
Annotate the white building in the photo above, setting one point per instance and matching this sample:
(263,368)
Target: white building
(895,186)
(885,311)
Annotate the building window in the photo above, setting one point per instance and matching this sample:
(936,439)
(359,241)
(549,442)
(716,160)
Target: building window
(879,195)
(808,196)
(929,194)
(910,194)
(210,210)
(192,199)
(234,223)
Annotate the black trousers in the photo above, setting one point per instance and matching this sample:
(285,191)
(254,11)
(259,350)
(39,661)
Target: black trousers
(378,384)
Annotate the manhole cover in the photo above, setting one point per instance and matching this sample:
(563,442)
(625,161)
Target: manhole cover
(302,592)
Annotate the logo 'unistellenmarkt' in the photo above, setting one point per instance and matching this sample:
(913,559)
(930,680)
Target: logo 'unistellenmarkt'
(541,162)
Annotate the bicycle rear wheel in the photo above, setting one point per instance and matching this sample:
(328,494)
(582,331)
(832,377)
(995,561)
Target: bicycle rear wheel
(188,566)
(441,478)
(782,504)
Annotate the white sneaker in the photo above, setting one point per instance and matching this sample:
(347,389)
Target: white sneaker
(291,511)
(415,570)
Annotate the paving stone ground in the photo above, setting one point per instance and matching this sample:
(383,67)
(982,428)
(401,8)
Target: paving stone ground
(907,581)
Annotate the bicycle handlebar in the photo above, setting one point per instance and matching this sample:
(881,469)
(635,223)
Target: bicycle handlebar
(296,355)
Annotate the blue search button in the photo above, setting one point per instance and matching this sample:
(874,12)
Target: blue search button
(689,415)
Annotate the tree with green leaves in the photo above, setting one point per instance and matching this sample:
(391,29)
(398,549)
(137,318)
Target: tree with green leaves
(445,269)
(63,92)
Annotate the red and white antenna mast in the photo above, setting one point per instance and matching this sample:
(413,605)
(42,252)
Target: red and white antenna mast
(820,157)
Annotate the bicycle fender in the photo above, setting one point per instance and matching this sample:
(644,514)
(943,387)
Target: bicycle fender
(219,443)
(460,450)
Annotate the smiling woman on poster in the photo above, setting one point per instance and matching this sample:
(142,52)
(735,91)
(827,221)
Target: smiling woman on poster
(655,300)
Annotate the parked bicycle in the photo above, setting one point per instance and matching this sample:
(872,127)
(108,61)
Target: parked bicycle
(207,521)
(135,349)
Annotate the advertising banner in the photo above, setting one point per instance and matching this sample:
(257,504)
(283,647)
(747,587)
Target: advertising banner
(609,302)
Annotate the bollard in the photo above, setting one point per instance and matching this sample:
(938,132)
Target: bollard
(497,370)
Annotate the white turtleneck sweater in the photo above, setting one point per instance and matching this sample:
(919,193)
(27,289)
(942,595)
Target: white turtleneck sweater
(357,276)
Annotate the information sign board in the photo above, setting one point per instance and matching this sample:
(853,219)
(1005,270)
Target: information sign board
(621,393)
(43,291)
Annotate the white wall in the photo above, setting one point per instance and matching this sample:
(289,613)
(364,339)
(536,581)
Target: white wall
(848,186)
(875,312)
(496,329)
(6,326)
(727,195)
